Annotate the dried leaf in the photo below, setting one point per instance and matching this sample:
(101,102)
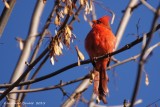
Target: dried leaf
(52,60)
(61,14)
(79,53)
(85,17)
(57,21)
(67,36)
(68,31)
(65,11)
(147,80)
(60,44)
(6,4)
(57,49)
(82,2)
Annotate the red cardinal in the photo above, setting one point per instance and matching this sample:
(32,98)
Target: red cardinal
(99,41)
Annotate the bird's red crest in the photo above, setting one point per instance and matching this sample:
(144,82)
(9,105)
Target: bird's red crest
(105,20)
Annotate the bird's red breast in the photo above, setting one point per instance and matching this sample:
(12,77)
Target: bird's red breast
(100,40)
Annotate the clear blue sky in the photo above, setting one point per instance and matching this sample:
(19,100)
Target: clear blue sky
(122,78)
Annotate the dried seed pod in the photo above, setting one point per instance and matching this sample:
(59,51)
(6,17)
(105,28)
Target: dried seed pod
(60,45)
(52,60)
(79,53)
(65,10)
(58,50)
(55,48)
(85,17)
(67,36)
(57,21)
(82,2)
(147,80)
(61,14)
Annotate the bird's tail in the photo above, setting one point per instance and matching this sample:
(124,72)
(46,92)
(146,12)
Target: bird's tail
(101,82)
(103,86)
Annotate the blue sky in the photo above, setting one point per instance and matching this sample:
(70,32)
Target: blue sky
(120,86)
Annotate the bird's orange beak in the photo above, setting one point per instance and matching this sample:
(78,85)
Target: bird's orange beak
(94,21)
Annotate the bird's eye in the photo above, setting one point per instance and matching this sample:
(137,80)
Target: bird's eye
(98,22)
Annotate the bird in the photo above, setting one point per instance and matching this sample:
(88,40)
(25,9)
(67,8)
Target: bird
(100,41)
